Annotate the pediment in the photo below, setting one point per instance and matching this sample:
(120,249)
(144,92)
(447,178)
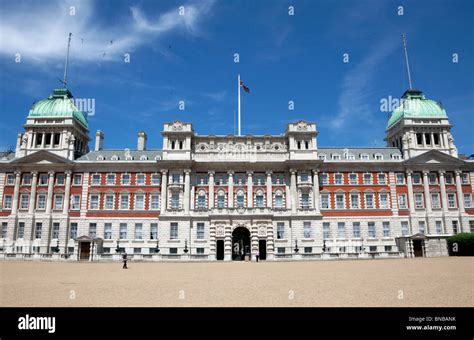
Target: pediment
(434,157)
(42,157)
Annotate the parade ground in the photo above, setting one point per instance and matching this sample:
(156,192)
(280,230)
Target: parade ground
(423,282)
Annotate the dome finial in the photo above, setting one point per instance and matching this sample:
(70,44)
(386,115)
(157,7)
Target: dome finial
(64,82)
(404,37)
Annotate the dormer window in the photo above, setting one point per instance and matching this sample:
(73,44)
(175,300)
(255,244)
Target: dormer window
(364,157)
(143,158)
(157,158)
(378,156)
(322,157)
(129,158)
(396,157)
(336,157)
(350,157)
(100,158)
(114,158)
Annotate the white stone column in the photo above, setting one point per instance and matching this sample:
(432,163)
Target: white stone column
(426,187)
(187,184)
(316,190)
(269,190)
(288,195)
(411,201)
(230,189)
(444,197)
(16,192)
(193,196)
(34,183)
(293,191)
(67,193)
(49,201)
(459,192)
(249,189)
(164,190)
(211,189)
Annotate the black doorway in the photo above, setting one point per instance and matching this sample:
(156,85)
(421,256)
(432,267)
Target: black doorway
(417,248)
(220,250)
(262,249)
(240,243)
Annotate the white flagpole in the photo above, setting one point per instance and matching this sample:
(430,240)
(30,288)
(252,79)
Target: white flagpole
(238,90)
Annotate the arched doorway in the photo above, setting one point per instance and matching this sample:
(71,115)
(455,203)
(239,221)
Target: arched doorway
(240,243)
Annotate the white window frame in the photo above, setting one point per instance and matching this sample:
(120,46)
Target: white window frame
(73,202)
(280,231)
(451,200)
(400,178)
(142,199)
(336,196)
(419,201)
(122,205)
(56,206)
(200,231)
(122,179)
(364,180)
(24,206)
(384,204)
(372,204)
(155,199)
(7,202)
(356,229)
(352,195)
(323,197)
(467,198)
(39,201)
(306,230)
(106,201)
(386,230)
(74,179)
(352,180)
(338,179)
(382,179)
(110,179)
(402,201)
(435,203)
(174,231)
(140,182)
(91,201)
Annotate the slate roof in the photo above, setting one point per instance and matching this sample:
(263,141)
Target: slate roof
(93,156)
(386,152)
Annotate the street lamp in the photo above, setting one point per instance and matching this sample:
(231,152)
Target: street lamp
(296,246)
(117,250)
(56,249)
(324,246)
(157,249)
(186,246)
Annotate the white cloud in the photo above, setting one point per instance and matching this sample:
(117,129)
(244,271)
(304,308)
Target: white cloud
(38,31)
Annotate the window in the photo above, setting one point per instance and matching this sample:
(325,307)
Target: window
(308,250)
(471,227)
(448,178)
(396,157)
(435,204)
(58,202)
(383,197)
(381,179)
(11,179)
(307,229)
(124,198)
(155,202)
(175,178)
(467,201)
(201,201)
(24,201)
(388,248)
(372,249)
(336,157)
(451,200)
(154,231)
(55,233)
(367,178)
(439,227)
(419,204)
(402,201)
(75,202)
(7,202)
(378,157)
(173,251)
(41,202)
(140,179)
(305,203)
(125,179)
(350,156)
(73,231)
(386,229)
(371,229)
(369,201)
(304,177)
(338,179)
(364,157)
(123,231)
(324,201)
(455,227)
(281,250)
(416,179)
(278,200)
(109,201)
(353,179)
(26,179)
(432,178)
(354,201)
(323,179)
(92,230)
(322,157)
(240,200)
(173,231)
(21,230)
(221,201)
(465,178)
(259,201)
(419,138)
(4,229)
(110,179)
(137,250)
(77,179)
(326,230)
(400,178)
(139,202)
(341,230)
(96,179)
(405,229)
(200,231)
(60,179)
(280,231)
(138,231)
(200,251)
(421,227)
(175,200)
(43,179)
(356,229)
(39,228)
(94,202)
(155,179)
(107,231)
(339,201)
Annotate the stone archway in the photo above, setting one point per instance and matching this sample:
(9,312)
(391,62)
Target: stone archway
(240,243)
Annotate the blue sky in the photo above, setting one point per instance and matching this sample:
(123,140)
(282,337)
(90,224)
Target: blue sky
(283,58)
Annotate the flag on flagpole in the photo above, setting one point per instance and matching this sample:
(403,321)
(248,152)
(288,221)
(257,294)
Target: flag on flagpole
(246,89)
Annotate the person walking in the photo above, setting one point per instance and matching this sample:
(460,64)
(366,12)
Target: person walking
(257,255)
(124,258)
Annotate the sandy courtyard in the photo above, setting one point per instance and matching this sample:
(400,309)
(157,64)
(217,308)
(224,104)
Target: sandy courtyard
(395,282)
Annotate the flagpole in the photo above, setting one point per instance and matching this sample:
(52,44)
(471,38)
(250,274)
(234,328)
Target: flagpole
(238,91)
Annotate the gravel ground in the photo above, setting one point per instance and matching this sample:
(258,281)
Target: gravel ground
(420,282)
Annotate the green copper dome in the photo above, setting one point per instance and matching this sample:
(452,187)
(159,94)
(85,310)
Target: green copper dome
(415,104)
(58,104)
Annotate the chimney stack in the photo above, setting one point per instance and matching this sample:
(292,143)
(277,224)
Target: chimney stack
(99,140)
(141,144)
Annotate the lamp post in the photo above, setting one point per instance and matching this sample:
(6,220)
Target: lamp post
(117,250)
(157,249)
(56,249)
(296,246)
(186,246)
(324,246)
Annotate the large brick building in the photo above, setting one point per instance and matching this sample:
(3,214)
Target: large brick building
(224,197)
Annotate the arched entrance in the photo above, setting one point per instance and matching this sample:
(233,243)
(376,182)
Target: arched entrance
(240,243)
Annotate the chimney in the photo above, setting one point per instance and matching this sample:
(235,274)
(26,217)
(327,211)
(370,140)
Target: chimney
(141,144)
(99,140)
